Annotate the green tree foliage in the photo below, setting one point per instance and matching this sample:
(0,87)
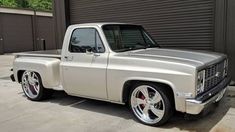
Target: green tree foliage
(8,3)
(40,4)
(45,5)
(22,3)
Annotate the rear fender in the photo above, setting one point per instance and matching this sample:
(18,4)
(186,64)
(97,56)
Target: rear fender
(47,68)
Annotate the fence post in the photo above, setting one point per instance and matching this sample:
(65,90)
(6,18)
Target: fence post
(44,44)
(34,28)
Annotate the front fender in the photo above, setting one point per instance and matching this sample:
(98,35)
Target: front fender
(179,101)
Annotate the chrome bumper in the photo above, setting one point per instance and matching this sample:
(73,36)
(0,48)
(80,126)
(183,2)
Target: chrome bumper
(198,104)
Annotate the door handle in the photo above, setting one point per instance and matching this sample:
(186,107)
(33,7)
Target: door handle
(96,54)
(68,58)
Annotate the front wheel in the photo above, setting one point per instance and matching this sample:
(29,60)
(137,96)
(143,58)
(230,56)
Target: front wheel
(150,104)
(32,86)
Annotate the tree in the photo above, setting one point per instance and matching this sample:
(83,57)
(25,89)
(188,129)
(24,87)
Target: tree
(8,3)
(22,3)
(45,5)
(40,4)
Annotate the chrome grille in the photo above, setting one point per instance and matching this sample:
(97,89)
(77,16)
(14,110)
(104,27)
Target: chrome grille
(214,75)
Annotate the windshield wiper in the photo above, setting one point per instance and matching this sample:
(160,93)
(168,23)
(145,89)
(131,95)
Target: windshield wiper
(153,46)
(130,48)
(123,50)
(149,45)
(142,44)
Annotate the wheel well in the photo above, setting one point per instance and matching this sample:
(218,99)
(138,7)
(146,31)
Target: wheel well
(19,75)
(128,84)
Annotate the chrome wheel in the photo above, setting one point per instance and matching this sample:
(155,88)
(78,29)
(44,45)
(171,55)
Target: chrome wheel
(147,104)
(30,84)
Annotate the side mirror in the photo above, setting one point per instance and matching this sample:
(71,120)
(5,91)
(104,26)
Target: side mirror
(89,51)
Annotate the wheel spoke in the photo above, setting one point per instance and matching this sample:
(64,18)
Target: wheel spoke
(146,111)
(33,75)
(159,113)
(28,75)
(156,98)
(36,88)
(140,101)
(34,80)
(145,92)
(29,90)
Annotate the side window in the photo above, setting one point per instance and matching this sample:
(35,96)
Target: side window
(99,44)
(85,39)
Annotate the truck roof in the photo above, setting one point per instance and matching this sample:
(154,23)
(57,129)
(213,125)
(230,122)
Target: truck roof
(101,24)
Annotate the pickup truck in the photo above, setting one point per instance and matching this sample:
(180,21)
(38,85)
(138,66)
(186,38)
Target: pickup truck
(121,63)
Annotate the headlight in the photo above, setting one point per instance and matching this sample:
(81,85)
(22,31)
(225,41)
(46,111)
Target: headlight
(200,82)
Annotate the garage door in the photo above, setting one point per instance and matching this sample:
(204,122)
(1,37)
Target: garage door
(172,23)
(16,39)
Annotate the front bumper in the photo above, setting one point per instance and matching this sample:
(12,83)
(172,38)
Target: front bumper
(198,104)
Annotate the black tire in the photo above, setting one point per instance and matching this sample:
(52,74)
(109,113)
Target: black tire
(166,99)
(43,93)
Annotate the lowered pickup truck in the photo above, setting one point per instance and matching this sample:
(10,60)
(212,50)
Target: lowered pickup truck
(121,63)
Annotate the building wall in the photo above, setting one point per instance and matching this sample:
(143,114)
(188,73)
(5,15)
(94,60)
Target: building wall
(230,35)
(17,33)
(60,22)
(45,33)
(25,30)
(197,24)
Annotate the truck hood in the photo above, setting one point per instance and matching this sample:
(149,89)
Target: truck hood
(193,58)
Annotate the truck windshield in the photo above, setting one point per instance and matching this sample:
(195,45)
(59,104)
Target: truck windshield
(127,37)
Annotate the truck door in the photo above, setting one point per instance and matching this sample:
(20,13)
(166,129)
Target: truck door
(84,65)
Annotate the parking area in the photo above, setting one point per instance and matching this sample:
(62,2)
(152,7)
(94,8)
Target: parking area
(67,113)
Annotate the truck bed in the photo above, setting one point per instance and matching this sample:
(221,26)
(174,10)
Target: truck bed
(43,53)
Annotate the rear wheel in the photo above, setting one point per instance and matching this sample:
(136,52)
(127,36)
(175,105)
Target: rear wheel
(150,104)
(32,86)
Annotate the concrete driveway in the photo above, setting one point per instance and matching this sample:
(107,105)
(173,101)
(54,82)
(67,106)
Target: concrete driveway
(66,113)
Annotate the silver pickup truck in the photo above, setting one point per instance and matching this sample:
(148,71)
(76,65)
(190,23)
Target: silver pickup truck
(121,63)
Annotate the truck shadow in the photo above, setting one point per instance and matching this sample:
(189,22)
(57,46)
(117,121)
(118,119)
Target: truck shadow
(179,120)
